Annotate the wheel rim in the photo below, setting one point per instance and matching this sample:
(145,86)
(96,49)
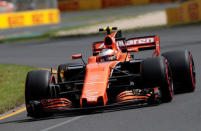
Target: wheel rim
(52,79)
(192,71)
(169,80)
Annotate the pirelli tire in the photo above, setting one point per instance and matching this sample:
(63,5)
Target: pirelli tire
(37,87)
(183,70)
(155,72)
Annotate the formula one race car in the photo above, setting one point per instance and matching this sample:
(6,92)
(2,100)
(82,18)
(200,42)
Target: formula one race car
(112,76)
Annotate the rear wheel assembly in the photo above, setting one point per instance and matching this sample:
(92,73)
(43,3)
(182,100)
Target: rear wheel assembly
(183,70)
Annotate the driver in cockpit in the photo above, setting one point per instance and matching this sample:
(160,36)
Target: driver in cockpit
(107,55)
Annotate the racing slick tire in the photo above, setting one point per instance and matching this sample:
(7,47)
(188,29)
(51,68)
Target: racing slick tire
(183,70)
(37,87)
(155,72)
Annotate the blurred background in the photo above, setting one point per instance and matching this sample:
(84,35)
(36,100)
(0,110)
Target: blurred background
(34,18)
(24,5)
(70,5)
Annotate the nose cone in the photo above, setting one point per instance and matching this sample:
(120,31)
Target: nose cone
(93,98)
(94,91)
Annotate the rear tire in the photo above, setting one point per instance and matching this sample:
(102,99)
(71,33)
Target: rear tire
(37,88)
(155,72)
(183,70)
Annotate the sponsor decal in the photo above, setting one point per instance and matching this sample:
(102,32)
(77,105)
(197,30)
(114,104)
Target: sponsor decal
(15,21)
(131,42)
(38,19)
(91,94)
(136,42)
(29,18)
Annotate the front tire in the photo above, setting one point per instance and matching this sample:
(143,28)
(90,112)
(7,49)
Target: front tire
(37,87)
(155,72)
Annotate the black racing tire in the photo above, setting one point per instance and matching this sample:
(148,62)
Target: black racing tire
(37,88)
(155,72)
(183,70)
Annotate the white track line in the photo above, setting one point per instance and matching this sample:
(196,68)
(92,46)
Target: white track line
(63,123)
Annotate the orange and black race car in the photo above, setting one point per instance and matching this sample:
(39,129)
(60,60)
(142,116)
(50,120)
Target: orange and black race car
(112,77)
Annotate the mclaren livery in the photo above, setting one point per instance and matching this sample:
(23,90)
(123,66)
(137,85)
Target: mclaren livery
(112,77)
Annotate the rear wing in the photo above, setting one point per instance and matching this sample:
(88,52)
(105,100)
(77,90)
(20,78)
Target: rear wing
(132,45)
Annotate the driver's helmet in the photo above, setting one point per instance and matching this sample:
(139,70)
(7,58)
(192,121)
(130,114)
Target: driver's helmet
(107,55)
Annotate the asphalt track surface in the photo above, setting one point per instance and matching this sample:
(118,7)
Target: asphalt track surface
(182,114)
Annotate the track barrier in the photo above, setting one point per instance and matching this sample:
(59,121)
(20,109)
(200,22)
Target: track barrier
(76,5)
(186,12)
(29,18)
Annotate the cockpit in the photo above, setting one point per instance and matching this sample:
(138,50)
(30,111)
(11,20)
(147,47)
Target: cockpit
(107,55)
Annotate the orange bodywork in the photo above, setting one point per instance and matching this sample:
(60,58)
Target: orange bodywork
(128,96)
(57,103)
(96,82)
(97,75)
(98,72)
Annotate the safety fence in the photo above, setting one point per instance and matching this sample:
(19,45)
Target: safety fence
(186,12)
(29,18)
(75,5)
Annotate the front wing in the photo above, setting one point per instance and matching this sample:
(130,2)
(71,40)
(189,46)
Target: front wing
(62,105)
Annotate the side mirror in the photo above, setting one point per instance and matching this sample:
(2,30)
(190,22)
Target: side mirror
(77,56)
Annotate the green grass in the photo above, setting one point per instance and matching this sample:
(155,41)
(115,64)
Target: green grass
(12,78)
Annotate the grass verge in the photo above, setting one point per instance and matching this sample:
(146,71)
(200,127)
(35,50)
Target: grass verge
(12,78)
